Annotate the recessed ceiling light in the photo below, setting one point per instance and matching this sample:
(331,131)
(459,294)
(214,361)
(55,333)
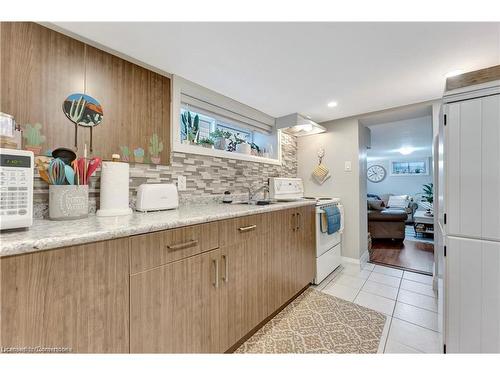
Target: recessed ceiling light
(406,150)
(332,104)
(454,73)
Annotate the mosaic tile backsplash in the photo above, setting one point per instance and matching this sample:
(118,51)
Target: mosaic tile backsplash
(207,177)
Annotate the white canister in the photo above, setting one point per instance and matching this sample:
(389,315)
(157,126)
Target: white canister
(114,194)
(244,148)
(68,202)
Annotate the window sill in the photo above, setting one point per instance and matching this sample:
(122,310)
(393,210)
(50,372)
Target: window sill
(200,150)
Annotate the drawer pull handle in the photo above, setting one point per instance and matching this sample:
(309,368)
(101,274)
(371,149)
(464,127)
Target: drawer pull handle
(216,270)
(226,269)
(184,245)
(247,229)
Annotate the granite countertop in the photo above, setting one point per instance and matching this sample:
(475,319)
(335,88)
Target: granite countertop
(47,234)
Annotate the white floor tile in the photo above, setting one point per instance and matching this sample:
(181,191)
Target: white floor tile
(385,279)
(419,300)
(424,279)
(416,337)
(416,315)
(388,271)
(385,334)
(377,303)
(394,347)
(327,280)
(349,281)
(369,266)
(413,286)
(380,289)
(361,274)
(341,291)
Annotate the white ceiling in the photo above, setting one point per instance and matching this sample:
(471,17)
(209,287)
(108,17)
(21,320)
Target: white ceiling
(388,138)
(280,68)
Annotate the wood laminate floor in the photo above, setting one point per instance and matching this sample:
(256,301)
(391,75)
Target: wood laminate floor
(410,255)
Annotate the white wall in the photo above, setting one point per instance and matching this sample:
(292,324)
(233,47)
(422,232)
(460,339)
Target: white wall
(341,143)
(398,185)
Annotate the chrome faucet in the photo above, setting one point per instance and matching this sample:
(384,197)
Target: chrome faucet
(251,194)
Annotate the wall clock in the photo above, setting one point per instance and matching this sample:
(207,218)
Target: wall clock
(376,173)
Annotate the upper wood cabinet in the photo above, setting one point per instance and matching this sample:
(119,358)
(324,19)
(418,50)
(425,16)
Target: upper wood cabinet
(41,67)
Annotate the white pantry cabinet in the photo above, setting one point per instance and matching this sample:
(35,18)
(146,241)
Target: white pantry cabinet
(472,296)
(472,160)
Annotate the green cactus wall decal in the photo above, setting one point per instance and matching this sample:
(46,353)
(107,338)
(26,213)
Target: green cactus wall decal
(155,145)
(125,153)
(33,135)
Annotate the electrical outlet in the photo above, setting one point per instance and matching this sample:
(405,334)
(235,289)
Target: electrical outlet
(181,183)
(347,166)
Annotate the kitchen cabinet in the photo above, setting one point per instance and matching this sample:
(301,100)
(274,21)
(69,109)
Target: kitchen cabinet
(41,67)
(194,289)
(175,308)
(75,298)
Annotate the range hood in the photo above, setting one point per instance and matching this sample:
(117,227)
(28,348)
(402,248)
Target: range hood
(298,125)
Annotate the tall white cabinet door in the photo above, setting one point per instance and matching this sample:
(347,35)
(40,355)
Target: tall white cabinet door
(472,296)
(472,164)
(490,171)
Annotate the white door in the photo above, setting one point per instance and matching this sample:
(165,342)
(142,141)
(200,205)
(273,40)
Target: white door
(472,164)
(472,286)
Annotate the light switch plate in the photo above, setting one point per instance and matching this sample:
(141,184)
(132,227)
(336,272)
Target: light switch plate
(347,166)
(181,183)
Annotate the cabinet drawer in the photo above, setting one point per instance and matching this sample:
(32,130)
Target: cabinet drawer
(155,249)
(243,228)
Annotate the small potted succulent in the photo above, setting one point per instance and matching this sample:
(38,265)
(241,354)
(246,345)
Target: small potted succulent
(155,148)
(139,155)
(207,142)
(219,136)
(190,128)
(34,138)
(242,146)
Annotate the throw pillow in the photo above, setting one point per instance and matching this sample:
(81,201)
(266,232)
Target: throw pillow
(375,204)
(398,201)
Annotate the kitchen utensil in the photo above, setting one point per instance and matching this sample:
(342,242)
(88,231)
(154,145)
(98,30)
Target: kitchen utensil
(74,164)
(56,172)
(69,173)
(43,175)
(65,154)
(93,164)
(42,162)
(81,171)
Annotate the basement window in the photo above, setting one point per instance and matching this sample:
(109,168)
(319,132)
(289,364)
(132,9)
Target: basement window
(208,123)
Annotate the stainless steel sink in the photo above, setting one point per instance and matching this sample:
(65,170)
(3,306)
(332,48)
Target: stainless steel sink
(255,203)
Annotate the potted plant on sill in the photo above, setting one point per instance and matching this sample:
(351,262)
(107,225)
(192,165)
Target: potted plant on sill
(255,150)
(239,145)
(190,128)
(219,137)
(207,142)
(428,196)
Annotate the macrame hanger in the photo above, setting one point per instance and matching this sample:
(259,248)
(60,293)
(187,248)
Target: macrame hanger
(321,154)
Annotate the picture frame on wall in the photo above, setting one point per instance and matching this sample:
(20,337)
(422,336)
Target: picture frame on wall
(412,167)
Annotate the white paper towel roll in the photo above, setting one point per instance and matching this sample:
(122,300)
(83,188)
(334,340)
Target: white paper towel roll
(114,189)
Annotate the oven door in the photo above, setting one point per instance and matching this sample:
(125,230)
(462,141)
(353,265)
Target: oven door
(325,241)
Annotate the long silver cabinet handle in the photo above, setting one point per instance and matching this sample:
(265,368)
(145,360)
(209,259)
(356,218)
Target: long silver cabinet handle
(216,268)
(226,269)
(247,229)
(184,245)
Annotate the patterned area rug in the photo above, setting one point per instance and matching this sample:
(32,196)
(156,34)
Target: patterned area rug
(316,322)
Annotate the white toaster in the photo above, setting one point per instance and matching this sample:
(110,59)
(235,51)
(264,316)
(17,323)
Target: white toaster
(156,197)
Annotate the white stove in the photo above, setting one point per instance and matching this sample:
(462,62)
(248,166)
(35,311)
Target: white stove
(328,246)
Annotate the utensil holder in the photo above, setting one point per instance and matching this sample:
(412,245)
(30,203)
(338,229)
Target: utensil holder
(68,202)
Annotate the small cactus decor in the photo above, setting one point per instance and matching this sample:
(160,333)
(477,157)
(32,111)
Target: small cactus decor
(34,138)
(139,155)
(125,153)
(155,148)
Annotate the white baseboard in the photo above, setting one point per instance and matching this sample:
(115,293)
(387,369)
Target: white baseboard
(365,257)
(350,260)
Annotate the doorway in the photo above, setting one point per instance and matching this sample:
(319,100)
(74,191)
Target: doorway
(400,189)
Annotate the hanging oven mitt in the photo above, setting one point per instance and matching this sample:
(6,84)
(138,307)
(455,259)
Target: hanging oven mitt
(321,173)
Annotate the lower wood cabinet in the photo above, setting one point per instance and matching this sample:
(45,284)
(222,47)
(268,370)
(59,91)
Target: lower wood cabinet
(198,289)
(175,308)
(75,298)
